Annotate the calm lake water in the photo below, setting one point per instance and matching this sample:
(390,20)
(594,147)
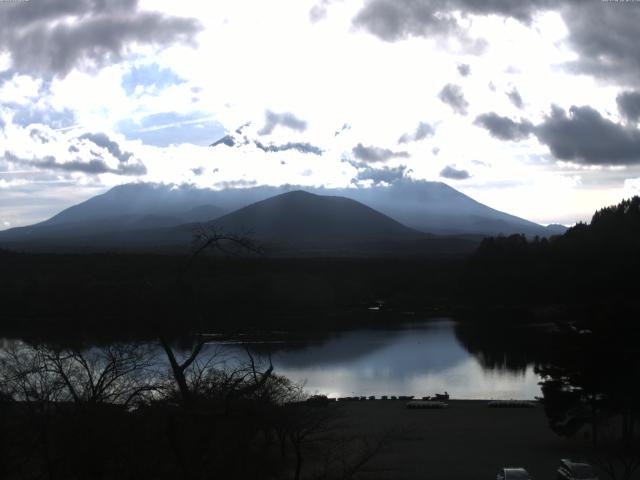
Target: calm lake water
(414,359)
(418,358)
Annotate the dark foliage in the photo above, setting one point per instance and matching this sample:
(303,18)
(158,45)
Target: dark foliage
(117,295)
(589,264)
(66,414)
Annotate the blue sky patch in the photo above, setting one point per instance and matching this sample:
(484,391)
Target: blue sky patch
(166,128)
(27,115)
(149,76)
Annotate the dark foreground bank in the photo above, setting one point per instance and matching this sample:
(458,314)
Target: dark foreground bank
(466,440)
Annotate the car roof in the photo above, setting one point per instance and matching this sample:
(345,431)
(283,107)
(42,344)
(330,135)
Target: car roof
(572,464)
(516,474)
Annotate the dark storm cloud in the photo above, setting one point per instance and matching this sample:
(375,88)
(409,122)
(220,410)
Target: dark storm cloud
(629,105)
(453,173)
(464,69)
(504,128)
(376,154)
(585,136)
(423,131)
(382,175)
(393,20)
(522,11)
(102,140)
(605,34)
(606,37)
(302,147)
(94,166)
(515,98)
(41,40)
(452,95)
(285,119)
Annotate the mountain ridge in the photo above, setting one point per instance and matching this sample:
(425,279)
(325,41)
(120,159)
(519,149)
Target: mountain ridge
(129,213)
(432,207)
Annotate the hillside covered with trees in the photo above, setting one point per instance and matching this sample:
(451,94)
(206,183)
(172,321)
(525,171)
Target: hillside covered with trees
(591,264)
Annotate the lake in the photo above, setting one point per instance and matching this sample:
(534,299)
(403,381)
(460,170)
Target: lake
(411,359)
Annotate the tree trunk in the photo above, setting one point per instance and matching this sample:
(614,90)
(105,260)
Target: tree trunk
(178,373)
(298,463)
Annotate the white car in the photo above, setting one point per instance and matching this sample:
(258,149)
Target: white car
(512,473)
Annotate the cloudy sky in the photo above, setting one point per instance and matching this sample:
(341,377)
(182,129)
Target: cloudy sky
(530,107)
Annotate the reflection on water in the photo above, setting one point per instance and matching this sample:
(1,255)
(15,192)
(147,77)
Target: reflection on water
(416,359)
(470,362)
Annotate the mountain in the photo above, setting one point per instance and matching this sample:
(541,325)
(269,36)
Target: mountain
(556,229)
(138,211)
(202,213)
(302,217)
(429,207)
(300,223)
(141,199)
(295,223)
(435,207)
(432,207)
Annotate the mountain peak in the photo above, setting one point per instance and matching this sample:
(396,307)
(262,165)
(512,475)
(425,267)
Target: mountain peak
(299,194)
(300,216)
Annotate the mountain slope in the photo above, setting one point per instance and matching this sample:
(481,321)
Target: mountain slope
(295,223)
(300,216)
(140,199)
(435,207)
(431,207)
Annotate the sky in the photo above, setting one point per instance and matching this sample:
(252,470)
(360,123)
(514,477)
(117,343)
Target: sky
(530,107)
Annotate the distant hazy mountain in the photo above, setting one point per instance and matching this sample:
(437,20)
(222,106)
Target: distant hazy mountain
(555,229)
(142,199)
(427,206)
(127,207)
(430,207)
(436,207)
(293,223)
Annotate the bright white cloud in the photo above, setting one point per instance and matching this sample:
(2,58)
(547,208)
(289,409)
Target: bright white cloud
(20,89)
